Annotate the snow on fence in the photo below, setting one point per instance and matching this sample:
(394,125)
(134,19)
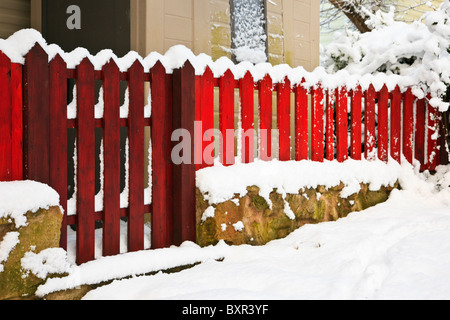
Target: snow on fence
(366,120)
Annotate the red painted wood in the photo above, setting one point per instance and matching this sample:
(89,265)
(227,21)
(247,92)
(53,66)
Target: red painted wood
(5,119)
(85,162)
(369,123)
(356,124)
(419,134)
(342,125)
(136,158)
(162,172)
(432,137)
(184,173)
(408,120)
(396,117)
(17,121)
(444,133)
(198,130)
(111,159)
(247,118)
(317,136)
(329,125)
(383,124)
(226,118)
(207,112)
(58,136)
(265,118)
(301,123)
(36,116)
(284,119)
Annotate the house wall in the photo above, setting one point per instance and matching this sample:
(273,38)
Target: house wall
(293,31)
(14,15)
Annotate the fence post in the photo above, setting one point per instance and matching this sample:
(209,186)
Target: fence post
(36,116)
(5,119)
(161,127)
(136,165)
(86,162)
(58,135)
(183,109)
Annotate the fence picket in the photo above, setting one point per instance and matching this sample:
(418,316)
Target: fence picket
(419,135)
(17,121)
(329,125)
(317,136)
(383,124)
(408,120)
(265,118)
(396,112)
(341,125)
(301,123)
(184,174)
(136,162)
(207,117)
(356,123)
(432,137)
(369,123)
(162,171)
(226,118)
(36,116)
(58,135)
(247,118)
(5,119)
(86,162)
(111,159)
(284,119)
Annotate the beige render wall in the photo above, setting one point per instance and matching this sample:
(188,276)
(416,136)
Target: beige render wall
(172,22)
(293,31)
(14,15)
(301,21)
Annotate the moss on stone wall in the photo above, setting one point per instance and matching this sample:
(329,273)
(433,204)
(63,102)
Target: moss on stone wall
(263,223)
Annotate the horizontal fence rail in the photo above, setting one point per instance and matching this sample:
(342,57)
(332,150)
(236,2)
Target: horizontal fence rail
(93,123)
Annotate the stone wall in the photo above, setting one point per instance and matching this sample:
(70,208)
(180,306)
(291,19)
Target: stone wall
(251,220)
(41,232)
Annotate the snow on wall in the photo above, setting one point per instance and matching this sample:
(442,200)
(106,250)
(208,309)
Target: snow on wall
(16,199)
(19,197)
(220,183)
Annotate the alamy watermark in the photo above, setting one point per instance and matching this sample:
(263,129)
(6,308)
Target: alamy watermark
(188,150)
(74,20)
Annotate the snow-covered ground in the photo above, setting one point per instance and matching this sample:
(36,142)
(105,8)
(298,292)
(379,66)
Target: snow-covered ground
(399,249)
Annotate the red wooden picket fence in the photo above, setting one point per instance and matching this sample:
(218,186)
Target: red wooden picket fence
(403,126)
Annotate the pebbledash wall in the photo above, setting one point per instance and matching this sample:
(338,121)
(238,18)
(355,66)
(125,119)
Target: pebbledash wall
(293,27)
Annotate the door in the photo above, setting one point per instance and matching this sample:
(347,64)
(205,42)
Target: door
(94,25)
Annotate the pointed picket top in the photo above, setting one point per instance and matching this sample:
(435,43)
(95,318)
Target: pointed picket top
(248,76)
(4,60)
(36,52)
(158,68)
(110,66)
(227,75)
(188,67)
(208,74)
(136,66)
(58,60)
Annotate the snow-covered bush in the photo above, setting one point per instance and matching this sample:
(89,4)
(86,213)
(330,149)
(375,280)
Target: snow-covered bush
(420,50)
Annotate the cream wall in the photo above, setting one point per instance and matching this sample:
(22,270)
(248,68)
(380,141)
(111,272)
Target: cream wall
(14,15)
(204,26)
(293,31)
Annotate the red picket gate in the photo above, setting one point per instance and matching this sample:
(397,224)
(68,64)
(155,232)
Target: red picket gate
(327,124)
(45,154)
